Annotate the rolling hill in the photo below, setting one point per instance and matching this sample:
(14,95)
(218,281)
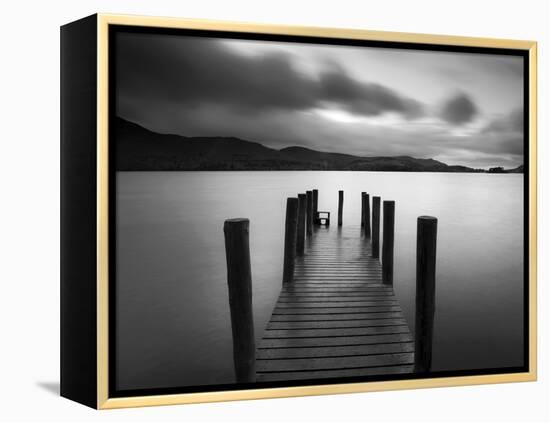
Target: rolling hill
(138,148)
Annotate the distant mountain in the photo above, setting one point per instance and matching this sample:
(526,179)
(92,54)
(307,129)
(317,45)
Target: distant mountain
(138,148)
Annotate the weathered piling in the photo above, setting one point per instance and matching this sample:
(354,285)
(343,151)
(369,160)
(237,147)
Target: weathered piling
(309,213)
(375,227)
(340,206)
(367,215)
(301,228)
(363,208)
(426,243)
(387,242)
(315,203)
(239,281)
(291,226)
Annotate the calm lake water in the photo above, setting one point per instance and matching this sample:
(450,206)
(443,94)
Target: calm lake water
(173,314)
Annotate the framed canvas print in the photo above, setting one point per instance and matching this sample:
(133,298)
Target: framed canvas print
(253,211)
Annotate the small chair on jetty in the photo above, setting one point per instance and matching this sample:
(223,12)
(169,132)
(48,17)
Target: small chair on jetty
(322,218)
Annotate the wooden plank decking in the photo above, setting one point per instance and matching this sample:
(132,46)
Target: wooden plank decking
(336,318)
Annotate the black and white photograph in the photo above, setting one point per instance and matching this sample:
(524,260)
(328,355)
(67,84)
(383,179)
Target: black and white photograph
(291,211)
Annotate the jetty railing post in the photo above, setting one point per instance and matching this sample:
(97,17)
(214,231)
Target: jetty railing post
(291,227)
(239,281)
(363,208)
(340,206)
(367,215)
(309,213)
(315,204)
(301,234)
(387,242)
(375,227)
(426,243)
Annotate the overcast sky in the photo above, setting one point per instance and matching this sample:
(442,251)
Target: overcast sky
(458,108)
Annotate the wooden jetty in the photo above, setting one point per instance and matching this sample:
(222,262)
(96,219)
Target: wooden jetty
(337,314)
(336,318)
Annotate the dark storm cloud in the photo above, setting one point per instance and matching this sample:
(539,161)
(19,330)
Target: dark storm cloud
(198,71)
(459,109)
(365,99)
(192,71)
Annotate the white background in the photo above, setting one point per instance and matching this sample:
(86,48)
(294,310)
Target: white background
(29,228)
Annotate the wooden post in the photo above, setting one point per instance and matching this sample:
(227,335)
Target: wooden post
(239,281)
(291,226)
(363,208)
(376,227)
(309,213)
(315,203)
(426,243)
(300,241)
(340,206)
(387,245)
(367,215)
